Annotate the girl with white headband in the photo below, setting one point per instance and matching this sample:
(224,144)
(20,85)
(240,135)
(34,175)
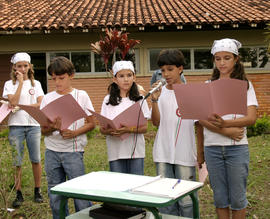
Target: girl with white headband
(225,141)
(123,93)
(24,89)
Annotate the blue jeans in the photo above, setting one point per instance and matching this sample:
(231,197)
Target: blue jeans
(228,171)
(183,207)
(59,167)
(32,135)
(133,166)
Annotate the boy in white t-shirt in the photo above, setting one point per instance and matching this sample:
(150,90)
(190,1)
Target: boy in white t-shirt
(65,148)
(23,89)
(174,151)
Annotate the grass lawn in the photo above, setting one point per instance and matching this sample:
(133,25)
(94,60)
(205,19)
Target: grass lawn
(95,159)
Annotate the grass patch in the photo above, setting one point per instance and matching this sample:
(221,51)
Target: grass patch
(95,159)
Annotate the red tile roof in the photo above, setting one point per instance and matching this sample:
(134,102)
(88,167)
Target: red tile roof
(88,14)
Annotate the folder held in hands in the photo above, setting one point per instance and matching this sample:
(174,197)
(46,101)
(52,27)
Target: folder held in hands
(200,100)
(65,107)
(128,118)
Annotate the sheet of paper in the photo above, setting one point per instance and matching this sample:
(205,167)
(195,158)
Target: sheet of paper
(129,118)
(203,173)
(65,107)
(107,181)
(4,111)
(167,187)
(200,100)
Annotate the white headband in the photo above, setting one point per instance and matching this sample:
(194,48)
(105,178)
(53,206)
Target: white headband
(120,65)
(226,45)
(20,57)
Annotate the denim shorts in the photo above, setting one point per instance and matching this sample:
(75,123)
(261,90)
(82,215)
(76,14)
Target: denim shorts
(228,171)
(184,207)
(60,167)
(32,135)
(134,166)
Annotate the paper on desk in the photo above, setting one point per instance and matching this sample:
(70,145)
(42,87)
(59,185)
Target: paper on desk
(4,111)
(128,118)
(200,100)
(203,173)
(107,181)
(65,107)
(165,187)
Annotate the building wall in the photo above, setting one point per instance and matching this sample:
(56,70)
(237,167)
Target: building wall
(97,88)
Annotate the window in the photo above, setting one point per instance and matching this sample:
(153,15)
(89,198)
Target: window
(89,62)
(255,57)
(200,59)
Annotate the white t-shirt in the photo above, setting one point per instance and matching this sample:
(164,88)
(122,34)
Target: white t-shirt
(215,139)
(29,95)
(175,139)
(122,149)
(55,142)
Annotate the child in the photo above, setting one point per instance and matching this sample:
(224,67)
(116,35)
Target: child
(227,158)
(24,89)
(174,151)
(65,148)
(123,93)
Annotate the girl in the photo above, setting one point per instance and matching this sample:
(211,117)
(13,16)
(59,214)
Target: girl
(23,89)
(174,149)
(123,93)
(227,158)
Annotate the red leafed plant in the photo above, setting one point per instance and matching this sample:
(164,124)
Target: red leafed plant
(108,45)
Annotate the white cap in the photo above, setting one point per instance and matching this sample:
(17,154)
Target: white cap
(120,65)
(226,45)
(20,57)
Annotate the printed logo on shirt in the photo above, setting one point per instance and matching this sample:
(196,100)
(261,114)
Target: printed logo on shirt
(31,91)
(178,113)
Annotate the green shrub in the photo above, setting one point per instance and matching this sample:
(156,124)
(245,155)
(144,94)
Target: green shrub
(4,133)
(261,126)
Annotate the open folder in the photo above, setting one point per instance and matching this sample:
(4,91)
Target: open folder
(200,100)
(131,117)
(4,111)
(65,107)
(167,187)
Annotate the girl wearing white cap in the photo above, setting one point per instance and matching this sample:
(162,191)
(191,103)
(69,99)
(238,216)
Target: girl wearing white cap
(23,89)
(125,156)
(227,154)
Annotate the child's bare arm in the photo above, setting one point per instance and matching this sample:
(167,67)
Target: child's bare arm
(200,144)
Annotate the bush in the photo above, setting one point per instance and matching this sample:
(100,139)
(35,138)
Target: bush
(261,126)
(4,133)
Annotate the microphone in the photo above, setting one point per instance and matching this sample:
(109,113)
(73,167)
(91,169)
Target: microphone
(161,83)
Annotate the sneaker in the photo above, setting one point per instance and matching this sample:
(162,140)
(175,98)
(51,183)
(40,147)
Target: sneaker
(37,196)
(18,200)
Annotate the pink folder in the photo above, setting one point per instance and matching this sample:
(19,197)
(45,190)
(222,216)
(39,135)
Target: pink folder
(4,111)
(65,107)
(128,118)
(203,173)
(200,100)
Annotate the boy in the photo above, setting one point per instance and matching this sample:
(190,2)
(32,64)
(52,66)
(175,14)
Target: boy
(65,148)
(174,151)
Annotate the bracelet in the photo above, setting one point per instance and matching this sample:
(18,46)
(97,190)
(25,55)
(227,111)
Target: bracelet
(154,101)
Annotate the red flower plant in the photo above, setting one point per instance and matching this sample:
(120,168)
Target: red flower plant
(114,40)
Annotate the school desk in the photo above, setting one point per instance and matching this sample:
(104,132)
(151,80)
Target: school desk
(113,187)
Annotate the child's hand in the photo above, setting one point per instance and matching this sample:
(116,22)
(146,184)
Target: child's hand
(235,133)
(19,76)
(216,120)
(120,131)
(56,124)
(67,134)
(106,131)
(157,93)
